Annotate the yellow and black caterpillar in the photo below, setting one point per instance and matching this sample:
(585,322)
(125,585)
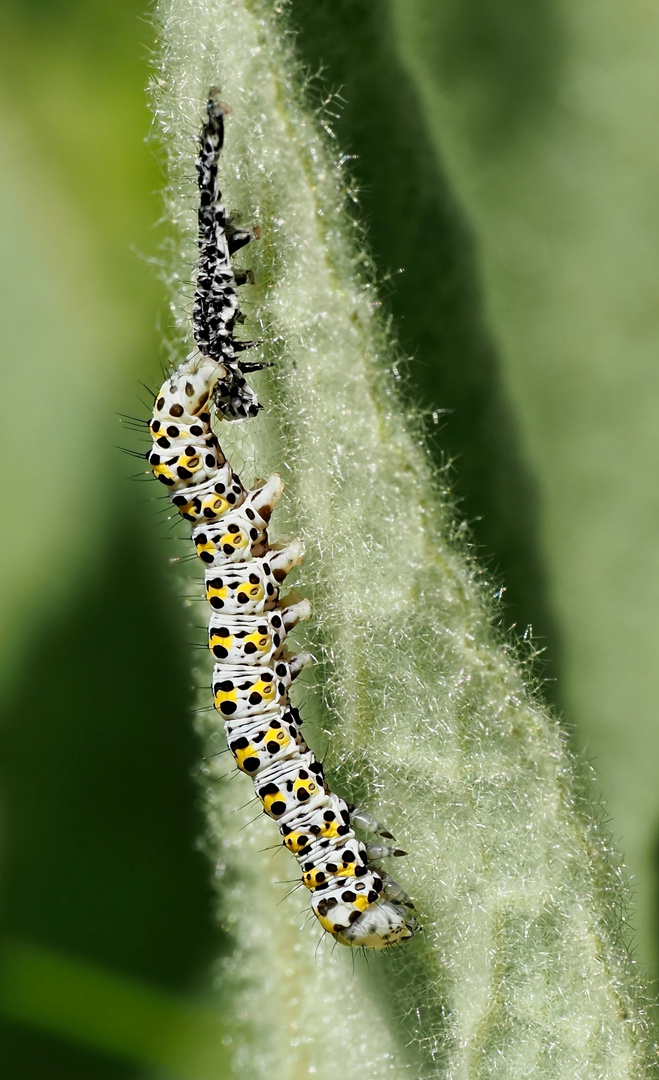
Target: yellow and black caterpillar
(356,902)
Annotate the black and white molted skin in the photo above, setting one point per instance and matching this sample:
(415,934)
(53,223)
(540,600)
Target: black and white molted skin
(355,902)
(215,311)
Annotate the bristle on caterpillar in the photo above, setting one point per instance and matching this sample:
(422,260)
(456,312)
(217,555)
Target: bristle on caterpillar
(354,901)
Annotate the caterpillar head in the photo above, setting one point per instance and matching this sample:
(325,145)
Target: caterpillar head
(380,926)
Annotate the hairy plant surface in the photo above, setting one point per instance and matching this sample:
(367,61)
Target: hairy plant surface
(521,969)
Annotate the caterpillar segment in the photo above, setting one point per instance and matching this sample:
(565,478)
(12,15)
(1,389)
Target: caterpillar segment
(354,901)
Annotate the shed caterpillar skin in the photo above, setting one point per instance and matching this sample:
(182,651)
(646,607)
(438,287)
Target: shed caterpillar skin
(354,901)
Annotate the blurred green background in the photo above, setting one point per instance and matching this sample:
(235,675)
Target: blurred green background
(507,162)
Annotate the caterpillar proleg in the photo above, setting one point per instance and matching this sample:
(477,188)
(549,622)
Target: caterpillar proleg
(355,902)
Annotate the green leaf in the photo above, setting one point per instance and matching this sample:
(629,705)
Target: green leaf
(522,968)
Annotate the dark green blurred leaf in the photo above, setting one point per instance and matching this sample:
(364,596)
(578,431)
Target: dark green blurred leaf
(124,1018)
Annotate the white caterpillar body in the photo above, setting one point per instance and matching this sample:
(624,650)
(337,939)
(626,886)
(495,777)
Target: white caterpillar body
(354,901)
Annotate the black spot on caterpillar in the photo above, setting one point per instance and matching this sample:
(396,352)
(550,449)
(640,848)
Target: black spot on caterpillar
(355,902)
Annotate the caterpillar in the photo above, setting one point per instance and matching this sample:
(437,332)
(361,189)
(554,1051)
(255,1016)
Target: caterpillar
(356,902)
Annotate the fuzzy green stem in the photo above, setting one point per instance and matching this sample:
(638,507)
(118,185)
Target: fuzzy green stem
(522,968)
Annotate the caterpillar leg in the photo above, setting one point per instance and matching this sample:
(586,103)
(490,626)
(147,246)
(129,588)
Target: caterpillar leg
(361,819)
(394,891)
(298,663)
(244,277)
(283,560)
(265,498)
(296,613)
(383,851)
(237,237)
